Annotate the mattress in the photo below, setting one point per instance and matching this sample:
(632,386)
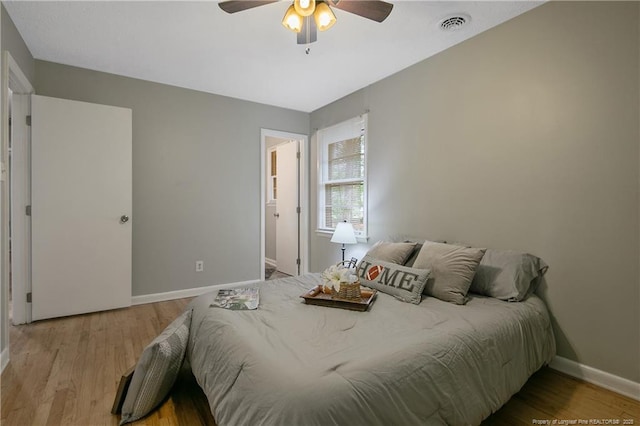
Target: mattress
(288,363)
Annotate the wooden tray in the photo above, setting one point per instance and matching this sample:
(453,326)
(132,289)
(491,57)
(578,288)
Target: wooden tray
(315,296)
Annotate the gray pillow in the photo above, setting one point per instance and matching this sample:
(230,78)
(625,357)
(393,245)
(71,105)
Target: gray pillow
(391,252)
(508,275)
(452,269)
(396,280)
(157,370)
(416,249)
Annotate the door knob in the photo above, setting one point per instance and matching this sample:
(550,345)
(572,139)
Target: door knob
(276,215)
(124,218)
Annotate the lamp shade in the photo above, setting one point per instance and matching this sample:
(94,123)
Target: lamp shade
(304,7)
(344,234)
(324,17)
(292,21)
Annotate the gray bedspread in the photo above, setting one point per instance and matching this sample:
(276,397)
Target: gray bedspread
(288,363)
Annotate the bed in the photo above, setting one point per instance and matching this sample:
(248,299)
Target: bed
(288,363)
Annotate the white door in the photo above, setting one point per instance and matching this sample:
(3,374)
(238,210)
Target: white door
(20,198)
(81,203)
(287,217)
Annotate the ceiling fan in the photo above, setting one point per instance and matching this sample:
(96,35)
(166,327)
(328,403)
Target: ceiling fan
(305,17)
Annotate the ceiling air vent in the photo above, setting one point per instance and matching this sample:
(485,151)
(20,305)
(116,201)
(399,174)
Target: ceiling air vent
(455,22)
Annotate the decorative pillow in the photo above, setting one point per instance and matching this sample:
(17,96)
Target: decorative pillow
(452,269)
(508,275)
(391,252)
(157,370)
(416,249)
(399,281)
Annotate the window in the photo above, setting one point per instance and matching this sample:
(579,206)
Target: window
(342,175)
(272,171)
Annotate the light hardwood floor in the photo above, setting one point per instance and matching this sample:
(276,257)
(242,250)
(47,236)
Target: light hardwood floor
(66,372)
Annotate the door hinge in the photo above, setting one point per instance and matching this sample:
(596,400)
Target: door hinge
(298,155)
(298,210)
(298,261)
(29,298)
(28,210)
(28,120)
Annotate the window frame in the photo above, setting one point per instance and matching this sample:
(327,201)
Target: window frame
(322,171)
(271,200)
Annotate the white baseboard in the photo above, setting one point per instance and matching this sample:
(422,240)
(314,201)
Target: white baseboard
(4,359)
(601,378)
(190,292)
(270,262)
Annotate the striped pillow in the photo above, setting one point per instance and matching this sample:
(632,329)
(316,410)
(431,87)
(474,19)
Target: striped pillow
(157,370)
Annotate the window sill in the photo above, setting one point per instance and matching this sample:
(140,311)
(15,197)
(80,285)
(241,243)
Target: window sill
(325,233)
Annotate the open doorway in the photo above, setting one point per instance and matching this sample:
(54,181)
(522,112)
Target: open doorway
(284,205)
(15,91)
(16,224)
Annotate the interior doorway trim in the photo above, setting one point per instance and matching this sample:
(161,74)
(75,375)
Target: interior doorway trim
(304,194)
(15,80)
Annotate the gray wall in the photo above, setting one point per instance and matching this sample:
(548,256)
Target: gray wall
(196,175)
(525,137)
(11,40)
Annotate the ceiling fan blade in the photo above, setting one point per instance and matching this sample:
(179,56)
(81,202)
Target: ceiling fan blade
(376,10)
(309,32)
(233,6)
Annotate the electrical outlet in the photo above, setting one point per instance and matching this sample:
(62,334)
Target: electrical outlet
(199,266)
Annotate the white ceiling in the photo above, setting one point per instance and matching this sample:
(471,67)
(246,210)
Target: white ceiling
(246,55)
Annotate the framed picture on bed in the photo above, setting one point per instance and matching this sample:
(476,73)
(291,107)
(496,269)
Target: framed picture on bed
(123,386)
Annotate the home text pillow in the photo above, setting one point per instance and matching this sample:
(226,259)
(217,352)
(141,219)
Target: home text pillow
(399,281)
(157,370)
(391,252)
(452,270)
(508,275)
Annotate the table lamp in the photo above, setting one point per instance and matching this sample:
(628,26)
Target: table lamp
(344,234)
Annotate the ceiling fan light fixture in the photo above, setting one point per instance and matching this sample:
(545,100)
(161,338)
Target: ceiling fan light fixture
(304,7)
(324,16)
(292,20)
(306,17)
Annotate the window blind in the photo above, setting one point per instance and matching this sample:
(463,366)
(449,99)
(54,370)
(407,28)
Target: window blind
(342,176)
